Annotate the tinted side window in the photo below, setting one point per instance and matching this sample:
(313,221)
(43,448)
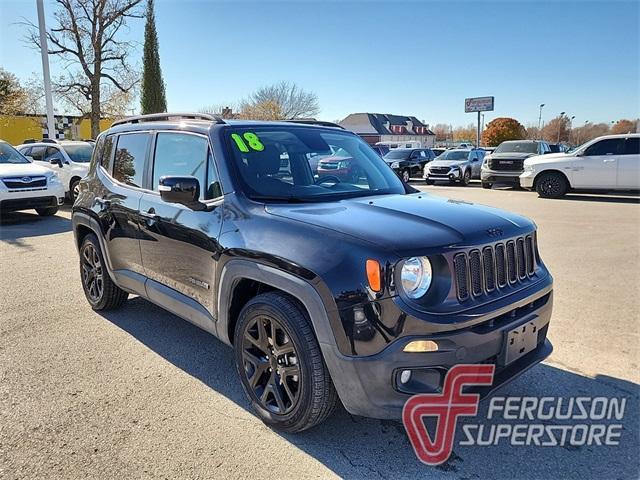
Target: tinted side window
(106,153)
(129,160)
(37,153)
(214,190)
(610,146)
(632,146)
(179,154)
(52,153)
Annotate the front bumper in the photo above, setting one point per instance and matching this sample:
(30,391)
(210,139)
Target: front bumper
(15,200)
(371,386)
(452,175)
(500,176)
(526,180)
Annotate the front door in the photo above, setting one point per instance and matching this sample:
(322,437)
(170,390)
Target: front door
(597,167)
(179,245)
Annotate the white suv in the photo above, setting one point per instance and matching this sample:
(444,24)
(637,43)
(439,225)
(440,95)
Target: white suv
(611,162)
(70,160)
(25,185)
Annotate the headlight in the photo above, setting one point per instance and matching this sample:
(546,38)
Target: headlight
(53,179)
(343,164)
(395,165)
(528,168)
(416,276)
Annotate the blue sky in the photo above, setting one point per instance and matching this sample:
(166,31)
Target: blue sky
(418,58)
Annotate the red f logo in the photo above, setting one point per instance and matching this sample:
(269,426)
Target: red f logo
(447,407)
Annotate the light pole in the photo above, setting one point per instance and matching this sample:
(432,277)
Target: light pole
(560,125)
(540,121)
(46,78)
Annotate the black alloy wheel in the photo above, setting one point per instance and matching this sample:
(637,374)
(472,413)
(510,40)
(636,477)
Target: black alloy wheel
(92,272)
(271,364)
(551,185)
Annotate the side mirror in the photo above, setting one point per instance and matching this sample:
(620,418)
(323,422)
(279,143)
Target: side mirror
(183,190)
(30,158)
(56,161)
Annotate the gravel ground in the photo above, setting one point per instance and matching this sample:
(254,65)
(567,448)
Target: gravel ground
(140,393)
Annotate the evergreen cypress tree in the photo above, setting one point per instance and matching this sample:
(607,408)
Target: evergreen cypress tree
(154,99)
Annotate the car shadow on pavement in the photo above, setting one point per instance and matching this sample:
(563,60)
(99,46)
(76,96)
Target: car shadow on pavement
(357,447)
(15,226)
(612,198)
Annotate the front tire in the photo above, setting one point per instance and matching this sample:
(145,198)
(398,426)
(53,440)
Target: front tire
(101,292)
(74,189)
(487,185)
(429,182)
(466,178)
(280,364)
(551,185)
(47,212)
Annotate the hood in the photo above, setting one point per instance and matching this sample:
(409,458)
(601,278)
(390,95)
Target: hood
(548,158)
(22,170)
(511,155)
(408,224)
(447,163)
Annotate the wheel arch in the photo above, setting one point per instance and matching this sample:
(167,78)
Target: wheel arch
(73,179)
(84,224)
(242,280)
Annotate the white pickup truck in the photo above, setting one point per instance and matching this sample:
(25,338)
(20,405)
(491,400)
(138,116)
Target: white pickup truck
(611,162)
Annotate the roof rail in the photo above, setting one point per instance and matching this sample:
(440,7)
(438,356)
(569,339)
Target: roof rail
(155,117)
(316,122)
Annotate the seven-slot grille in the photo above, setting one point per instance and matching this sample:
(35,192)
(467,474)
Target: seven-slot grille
(482,270)
(25,183)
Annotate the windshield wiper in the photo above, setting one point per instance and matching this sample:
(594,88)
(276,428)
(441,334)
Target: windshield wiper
(279,198)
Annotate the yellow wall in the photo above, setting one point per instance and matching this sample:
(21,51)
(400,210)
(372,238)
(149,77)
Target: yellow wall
(16,129)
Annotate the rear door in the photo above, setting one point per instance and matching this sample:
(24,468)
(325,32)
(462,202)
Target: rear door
(629,164)
(179,245)
(597,167)
(122,175)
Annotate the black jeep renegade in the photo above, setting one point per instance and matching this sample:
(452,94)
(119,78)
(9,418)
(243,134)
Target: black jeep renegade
(364,290)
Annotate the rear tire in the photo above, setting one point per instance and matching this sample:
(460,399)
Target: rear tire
(280,364)
(101,292)
(551,185)
(47,212)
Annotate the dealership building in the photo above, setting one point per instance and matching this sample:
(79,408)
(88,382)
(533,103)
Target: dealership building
(383,127)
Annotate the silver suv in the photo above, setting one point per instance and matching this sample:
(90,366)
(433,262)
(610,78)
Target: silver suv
(458,165)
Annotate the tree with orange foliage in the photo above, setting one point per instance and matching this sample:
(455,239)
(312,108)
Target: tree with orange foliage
(625,126)
(502,129)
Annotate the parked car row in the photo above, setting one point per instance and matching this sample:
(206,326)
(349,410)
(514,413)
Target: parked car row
(611,162)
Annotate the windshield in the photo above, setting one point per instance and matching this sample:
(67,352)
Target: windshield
(8,154)
(517,147)
(454,155)
(277,163)
(398,154)
(79,153)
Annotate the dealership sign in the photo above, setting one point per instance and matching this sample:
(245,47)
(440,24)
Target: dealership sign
(478,104)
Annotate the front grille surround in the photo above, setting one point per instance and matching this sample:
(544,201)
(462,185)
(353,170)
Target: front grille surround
(18,183)
(506,164)
(496,267)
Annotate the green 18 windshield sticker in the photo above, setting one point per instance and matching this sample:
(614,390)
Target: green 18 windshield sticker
(247,138)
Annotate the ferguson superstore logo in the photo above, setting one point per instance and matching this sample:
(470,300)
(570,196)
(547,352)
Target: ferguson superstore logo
(517,421)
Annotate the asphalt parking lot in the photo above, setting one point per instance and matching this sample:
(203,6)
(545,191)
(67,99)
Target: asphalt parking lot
(141,393)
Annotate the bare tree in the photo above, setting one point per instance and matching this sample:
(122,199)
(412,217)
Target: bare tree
(85,35)
(284,100)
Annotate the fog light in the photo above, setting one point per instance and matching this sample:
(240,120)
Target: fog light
(421,346)
(405,376)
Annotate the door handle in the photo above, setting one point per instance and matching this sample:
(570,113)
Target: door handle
(150,216)
(609,160)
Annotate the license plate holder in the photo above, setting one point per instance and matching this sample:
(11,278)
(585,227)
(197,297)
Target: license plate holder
(518,342)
